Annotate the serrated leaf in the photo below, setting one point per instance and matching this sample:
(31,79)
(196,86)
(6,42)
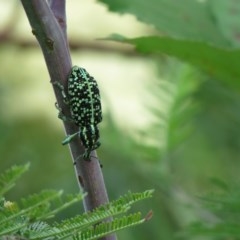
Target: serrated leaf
(227,15)
(182,19)
(221,63)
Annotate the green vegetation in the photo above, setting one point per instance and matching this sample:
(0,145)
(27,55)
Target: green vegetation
(189,150)
(28,219)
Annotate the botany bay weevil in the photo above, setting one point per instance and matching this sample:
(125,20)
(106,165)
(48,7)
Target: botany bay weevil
(84,100)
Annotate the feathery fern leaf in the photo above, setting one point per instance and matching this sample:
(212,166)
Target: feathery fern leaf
(33,231)
(224,207)
(86,221)
(27,219)
(9,177)
(176,107)
(70,199)
(50,204)
(12,227)
(106,228)
(34,208)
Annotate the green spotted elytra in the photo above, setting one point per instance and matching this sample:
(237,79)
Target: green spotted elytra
(84,100)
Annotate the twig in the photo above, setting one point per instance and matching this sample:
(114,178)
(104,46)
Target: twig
(49,27)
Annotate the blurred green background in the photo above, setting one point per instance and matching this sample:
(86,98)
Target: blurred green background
(167,124)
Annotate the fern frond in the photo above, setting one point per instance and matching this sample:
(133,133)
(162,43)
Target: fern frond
(107,228)
(11,228)
(176,106)
(27,220)
(39,204)
(130,198)
(87,220)
(33,231)
(28,231)
(9,177)
(70,200)
(34,208)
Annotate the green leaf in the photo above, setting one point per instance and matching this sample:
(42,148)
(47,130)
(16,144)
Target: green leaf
(28,219)
(227,15)
(82,225)
(9,177)
(106,228)
(221,63)
(177,110)
(221,230)
(182,19)
(219,183)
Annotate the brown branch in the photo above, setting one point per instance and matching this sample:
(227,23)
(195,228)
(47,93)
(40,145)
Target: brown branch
(99,46)
(51,36)
(59,11)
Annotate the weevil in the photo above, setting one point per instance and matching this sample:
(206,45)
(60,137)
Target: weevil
(83,97)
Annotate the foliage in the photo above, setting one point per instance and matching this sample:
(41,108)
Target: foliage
(28,219)
(217,62)
(211,21)
(197,116)
(224,207)
(193,33)
(196,128)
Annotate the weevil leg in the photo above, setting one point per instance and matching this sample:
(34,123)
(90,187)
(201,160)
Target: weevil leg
(69,138)
(62,116)
(96,145)
(60,86)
